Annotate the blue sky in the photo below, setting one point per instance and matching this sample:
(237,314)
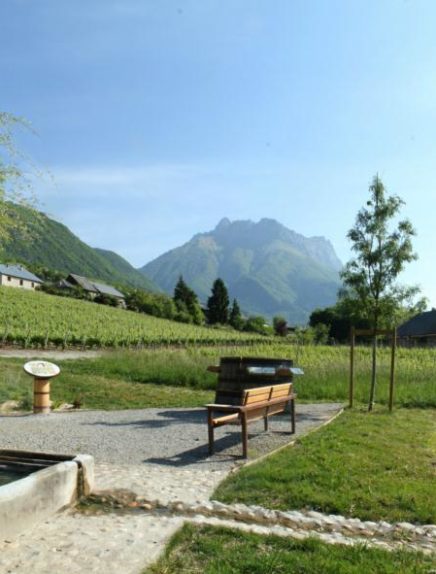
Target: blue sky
(157,119)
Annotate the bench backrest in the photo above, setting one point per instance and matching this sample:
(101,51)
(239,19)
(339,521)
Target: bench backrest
(263,395)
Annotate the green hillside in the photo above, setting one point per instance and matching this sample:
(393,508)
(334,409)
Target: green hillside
(36,319)
(270,269)
(46,242)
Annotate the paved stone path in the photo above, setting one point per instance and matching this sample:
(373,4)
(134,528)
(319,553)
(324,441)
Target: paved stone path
(166,483)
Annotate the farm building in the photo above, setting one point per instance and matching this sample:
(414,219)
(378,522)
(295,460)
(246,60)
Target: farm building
(18,276)
(92,287)
(419,330)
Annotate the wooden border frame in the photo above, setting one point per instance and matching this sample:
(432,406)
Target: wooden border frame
(370,332)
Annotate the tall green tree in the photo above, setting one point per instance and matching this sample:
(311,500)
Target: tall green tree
(383,247)
(235,319)
(187,303)
(218,304)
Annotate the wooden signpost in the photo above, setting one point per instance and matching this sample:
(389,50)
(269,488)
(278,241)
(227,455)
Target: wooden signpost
(370,333)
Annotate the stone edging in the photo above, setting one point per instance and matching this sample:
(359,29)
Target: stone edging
(330,528)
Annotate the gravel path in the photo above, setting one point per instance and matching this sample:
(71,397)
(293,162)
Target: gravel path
(163,437)
(53,354)
(158,454)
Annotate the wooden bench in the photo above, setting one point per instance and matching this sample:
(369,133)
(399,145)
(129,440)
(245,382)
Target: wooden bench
(259,403)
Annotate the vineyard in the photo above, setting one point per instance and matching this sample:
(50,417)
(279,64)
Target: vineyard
(38,320)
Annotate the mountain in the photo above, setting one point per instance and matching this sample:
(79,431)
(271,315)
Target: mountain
(270,269)
(43,241)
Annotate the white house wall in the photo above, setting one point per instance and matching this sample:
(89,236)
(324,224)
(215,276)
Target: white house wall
(15,282)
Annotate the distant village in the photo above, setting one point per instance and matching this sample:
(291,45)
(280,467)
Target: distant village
(19,276)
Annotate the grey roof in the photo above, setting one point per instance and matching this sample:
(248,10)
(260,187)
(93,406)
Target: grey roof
(94,287)
(19,272)
(421,325)
(83,282)
(108,290)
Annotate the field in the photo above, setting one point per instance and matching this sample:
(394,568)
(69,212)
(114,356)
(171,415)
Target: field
(125,377)
(36,320)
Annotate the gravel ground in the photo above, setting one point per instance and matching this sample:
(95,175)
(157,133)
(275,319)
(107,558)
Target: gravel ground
(163,437)
(49,354)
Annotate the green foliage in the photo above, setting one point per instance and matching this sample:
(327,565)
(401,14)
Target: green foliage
(218,304)
(75,292)
(156,304)
(320,334)
(361,466)
(338,320)
(381,255)
(104,299)
(236,320)
(187,304)
(217,550)
(257,324)
(280,326)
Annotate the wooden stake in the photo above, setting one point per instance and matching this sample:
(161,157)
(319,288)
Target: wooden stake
(392,379)
(352,338)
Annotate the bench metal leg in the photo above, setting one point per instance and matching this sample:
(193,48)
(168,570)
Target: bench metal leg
(244,435)
(265,423)
(293,415)
(210,431)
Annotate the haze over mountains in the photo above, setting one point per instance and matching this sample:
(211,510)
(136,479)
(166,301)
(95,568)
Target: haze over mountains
(270,269)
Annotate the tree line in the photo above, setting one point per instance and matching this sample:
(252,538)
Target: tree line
(184,306)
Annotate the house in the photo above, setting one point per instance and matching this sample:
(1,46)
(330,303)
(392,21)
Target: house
(92,287)
(419,330)
(18,276)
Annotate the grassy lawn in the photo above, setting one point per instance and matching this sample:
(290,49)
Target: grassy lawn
(325,378)
(98,390)
(371,466)
(211,550)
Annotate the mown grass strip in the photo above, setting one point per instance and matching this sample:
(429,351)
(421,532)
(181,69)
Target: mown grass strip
(213,550)
(325,378)
(376,466)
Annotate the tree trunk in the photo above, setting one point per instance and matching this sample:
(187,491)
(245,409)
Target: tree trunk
(373,373)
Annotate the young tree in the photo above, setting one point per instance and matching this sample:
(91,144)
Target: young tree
(218,304)
(236,320)
(382,250)
(187,303)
